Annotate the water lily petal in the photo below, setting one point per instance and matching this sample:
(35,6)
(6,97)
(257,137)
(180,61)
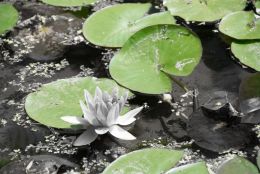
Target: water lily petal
(89,116)
(101,130)
(115,94)
(128,117)
(113,114)
(98,95)
(120,133)
(74,120)
(86,137)
(89,99)
(106,97)
(100,115)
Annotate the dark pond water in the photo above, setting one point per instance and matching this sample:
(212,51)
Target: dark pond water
(39,52)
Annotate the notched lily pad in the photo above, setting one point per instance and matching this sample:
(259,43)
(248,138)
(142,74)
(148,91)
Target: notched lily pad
(152,55)
(241,25)
(69,3)
(145,161)
(203,10)
(196,168)
(113,25)
(237,165)
(247,52)
(61,98)
(8,17)
(218,130)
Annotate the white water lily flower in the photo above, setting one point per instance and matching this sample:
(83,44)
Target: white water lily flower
(102,115)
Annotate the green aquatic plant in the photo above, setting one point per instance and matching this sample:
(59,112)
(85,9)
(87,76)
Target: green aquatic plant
(152,56)
(237,165)
(145,161)
(69,3)
(241,25)
(203,10)
(102,115)
(60,98)
(8,17)
(112,26)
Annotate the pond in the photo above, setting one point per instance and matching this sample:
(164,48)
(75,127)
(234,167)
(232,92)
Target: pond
(120,86)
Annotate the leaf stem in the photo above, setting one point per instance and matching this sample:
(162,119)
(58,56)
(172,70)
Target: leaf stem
(180,84)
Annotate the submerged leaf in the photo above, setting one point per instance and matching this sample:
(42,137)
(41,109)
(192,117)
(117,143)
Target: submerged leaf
(152,55)
(145,161)
(112,26)
(69,3)
(8,17)
(203,10)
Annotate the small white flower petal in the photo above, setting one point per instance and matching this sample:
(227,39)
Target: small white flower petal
(86,137)
(120,133)
(101,130)
(128,117)
(98,95)
(100,115)
(88,115)
(113,115)
(74,120)
(89,99)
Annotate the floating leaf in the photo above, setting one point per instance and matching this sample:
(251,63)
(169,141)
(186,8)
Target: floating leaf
(8,17)
(247,52)
(237,165)
(61,98)
(258,159)
(146,161)
(69,3)
(196,168)
(249,98)
(241,25)
(112,26)
(152,54)
(218,131)
(203,10)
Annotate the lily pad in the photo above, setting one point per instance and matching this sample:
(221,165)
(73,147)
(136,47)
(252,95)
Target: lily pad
(146,161)
(151,55)
(203,10)
(61,98)
(112,26)
(196,168)
(237,165)
(247,52)
(69,3)
(8,17)
(241,25)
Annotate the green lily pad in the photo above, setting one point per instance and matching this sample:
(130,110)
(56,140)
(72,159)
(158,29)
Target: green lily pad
(151,55)
(61,98)
(241,25)
(112,26)
(248,52)
(258,159)
(8,17)
(146,161)
(69,3)
(196,168)
(237,165)
(250,87)
(257,4)
(203,10)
